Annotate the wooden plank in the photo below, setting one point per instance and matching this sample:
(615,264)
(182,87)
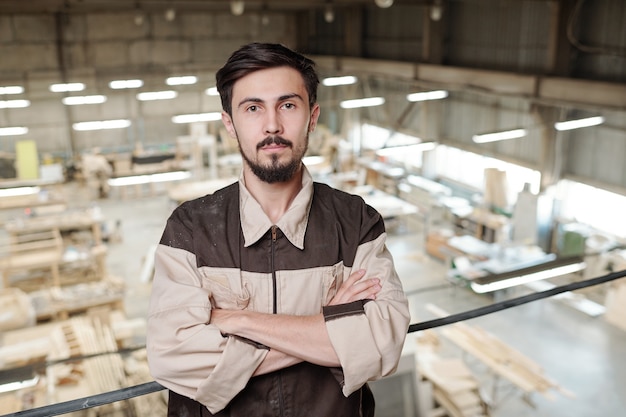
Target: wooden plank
(502,359)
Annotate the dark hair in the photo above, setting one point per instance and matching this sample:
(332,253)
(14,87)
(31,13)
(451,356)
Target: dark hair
(257,56)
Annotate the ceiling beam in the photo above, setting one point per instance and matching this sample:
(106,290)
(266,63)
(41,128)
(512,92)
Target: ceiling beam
(561,91)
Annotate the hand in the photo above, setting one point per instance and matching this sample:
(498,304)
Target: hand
(355,288)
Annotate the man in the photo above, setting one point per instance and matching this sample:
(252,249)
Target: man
(275,295)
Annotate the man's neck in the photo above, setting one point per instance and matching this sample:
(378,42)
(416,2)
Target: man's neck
(274,198)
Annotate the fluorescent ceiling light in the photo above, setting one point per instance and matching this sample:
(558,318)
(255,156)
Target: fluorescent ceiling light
(184,80)
(383,4)
(237,7)
(170,14)
(18,191)
(77,100)
(19,385)
(577,124)
(496,136)
(157,95)
(102,124)
(344,80)
(524,279)
(14,104)
(12,89)
(313,160)
(64,88)
(149,178)
(200,117)
(427,95)
(122,84)
(406,149)
(13,131)
(212,91)
(362,102)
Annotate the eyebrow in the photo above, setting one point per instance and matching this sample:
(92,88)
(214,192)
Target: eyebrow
(280,98)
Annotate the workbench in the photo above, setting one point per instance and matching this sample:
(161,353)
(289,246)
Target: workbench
(68,245)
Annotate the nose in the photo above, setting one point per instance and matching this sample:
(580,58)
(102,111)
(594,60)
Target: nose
(272,123)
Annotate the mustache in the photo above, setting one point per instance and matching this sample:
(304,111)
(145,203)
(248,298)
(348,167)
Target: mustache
(274,140)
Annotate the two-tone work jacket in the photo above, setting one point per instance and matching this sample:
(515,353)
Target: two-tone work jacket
(222,251)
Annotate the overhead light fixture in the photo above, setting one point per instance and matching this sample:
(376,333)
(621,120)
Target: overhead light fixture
(329,13)
(496,136)
(436,11)
(182,80)
(212,91)
(362,102)
(524,279)
(122,84)
(102,125)
(156,95)
(170,14)
(14,104)
(427,95)
(13,131)
(11,89)
(18,191)
(138,19)
(265,19)
(343,80)
(19,385)
(577,124)
(407,149)
(149,178)
(384,4)
(199,117)
(237,7)
(67,87)
(78,100)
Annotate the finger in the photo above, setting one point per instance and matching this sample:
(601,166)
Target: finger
(366,289)
(354,277)
(362,290)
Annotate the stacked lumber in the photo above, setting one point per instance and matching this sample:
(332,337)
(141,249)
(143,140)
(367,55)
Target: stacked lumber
(60,303)
(501,359)
(31,252)
(448,387)
(17,309)
(455,390)
(77,358)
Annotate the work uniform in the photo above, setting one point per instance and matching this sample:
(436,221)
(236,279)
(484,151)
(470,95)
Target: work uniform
(222,251)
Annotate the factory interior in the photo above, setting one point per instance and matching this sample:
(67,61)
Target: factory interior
(490,135)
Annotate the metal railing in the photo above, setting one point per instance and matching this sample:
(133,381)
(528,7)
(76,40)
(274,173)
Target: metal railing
(152,387)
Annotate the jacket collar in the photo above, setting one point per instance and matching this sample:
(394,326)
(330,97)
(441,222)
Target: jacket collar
(255,223)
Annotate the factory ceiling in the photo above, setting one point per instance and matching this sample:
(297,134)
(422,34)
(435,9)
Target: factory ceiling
(107,6)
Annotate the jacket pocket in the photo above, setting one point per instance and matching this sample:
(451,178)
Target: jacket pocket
(331,282)
(221,295)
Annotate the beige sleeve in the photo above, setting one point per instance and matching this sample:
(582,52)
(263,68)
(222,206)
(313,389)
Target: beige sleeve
(368,337)
(185,353)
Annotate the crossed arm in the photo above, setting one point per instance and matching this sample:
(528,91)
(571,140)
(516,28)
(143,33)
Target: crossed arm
(293,339)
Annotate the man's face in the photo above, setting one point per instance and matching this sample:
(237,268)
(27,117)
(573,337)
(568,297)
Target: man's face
(271,120)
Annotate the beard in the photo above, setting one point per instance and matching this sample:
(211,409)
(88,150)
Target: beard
(276,171)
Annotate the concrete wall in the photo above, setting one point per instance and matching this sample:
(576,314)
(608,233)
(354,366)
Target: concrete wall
(39,50)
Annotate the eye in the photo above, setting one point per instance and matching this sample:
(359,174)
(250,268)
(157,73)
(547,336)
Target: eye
(289,106)
(252,109)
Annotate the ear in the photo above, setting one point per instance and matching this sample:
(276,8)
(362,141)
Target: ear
(228,124)
(315,114)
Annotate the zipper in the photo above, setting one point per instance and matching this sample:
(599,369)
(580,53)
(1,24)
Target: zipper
(281,405)
(274,290)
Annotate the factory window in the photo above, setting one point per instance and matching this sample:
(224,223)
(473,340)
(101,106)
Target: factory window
(598,208)
(469,168)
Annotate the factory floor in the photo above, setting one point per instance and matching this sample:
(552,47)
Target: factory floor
(584,355)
